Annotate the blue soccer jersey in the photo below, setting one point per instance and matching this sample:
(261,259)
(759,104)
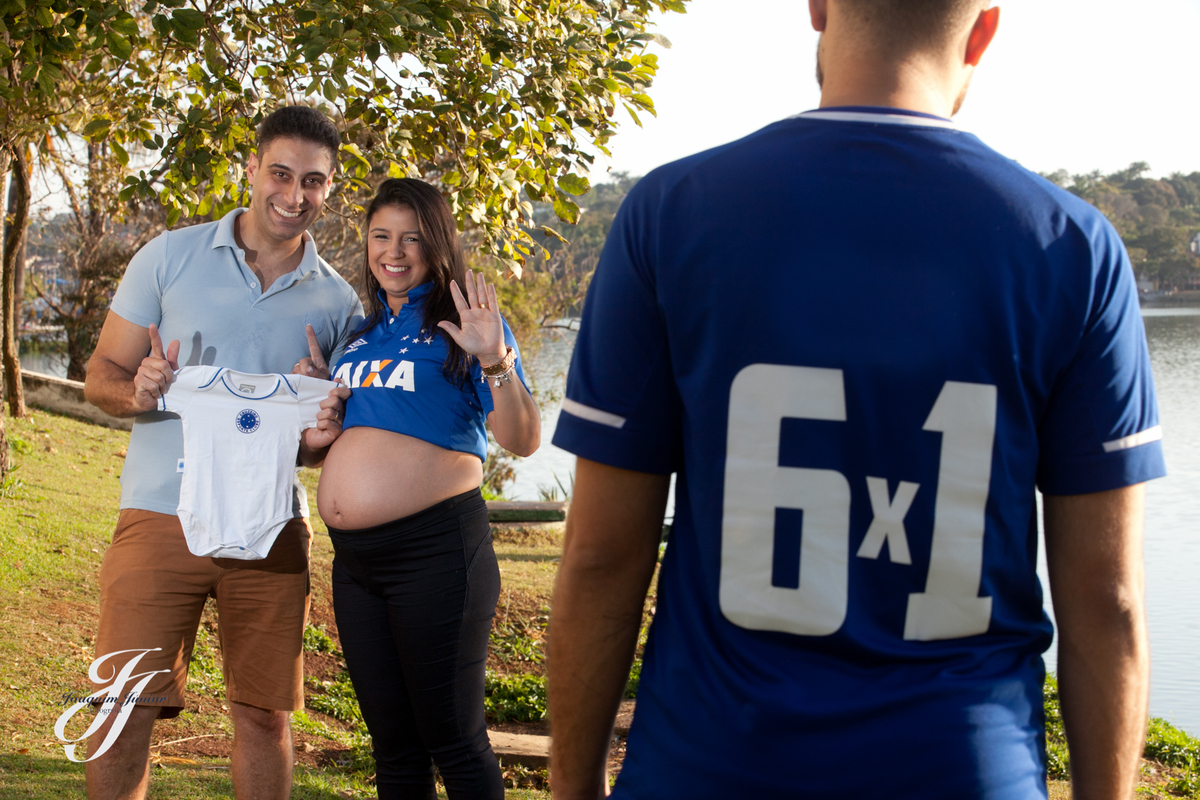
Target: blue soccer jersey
(862,339)
(395,372)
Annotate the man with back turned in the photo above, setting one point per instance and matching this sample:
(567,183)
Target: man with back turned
(862,340)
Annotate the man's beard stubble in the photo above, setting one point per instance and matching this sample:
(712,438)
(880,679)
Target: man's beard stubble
(820,71)
(963,94)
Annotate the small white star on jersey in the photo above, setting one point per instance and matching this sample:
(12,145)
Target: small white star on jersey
(403,338)
(403,349)
(429,340)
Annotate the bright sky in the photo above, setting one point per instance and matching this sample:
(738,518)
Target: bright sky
(1072,84)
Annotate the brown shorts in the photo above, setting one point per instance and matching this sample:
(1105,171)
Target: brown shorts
(152,592)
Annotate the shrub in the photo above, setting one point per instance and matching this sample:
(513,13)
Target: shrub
(1058,760)
(316,640)
(511,643)
(515,698)
(336,698)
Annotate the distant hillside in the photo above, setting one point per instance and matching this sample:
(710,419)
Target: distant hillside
(1158,219)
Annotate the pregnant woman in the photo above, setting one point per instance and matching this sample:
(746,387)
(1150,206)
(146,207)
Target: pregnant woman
(415,579)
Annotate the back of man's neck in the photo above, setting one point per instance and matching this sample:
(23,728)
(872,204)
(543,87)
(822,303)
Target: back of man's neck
(908,86)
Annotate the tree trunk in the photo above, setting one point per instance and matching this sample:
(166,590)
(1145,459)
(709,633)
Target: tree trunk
(4,161)
(13,241)
(19,265)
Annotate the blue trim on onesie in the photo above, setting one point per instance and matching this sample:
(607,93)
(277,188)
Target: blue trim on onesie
(235,393)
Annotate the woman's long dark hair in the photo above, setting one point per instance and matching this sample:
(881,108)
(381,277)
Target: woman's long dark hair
(442,256)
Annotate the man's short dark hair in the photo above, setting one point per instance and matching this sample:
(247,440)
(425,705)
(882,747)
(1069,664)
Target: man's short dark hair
(299,122)
(913,24)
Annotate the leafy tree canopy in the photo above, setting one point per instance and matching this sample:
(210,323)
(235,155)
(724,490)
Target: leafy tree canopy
(493,99)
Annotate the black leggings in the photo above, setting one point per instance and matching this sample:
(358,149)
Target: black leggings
(414,601)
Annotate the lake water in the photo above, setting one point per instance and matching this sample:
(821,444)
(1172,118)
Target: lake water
(1172,507)
(46,363)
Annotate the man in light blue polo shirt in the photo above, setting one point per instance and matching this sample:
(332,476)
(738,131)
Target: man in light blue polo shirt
(248,292)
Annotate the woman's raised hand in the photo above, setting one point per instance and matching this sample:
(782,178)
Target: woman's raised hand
(482,333)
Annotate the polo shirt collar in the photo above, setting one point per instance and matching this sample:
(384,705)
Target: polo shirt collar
(224,238)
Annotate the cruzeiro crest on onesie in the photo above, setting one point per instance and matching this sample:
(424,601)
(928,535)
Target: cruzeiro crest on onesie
(247,420)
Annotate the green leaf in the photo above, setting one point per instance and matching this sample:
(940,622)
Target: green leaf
(97,125)
(211,57)
(566,210)
(46,83)
(305,15)
(314,49)
(122,156)
(573,184)
(452,178)
(125,23)
(119,46)
(553,234)
(173,217)
(189,18)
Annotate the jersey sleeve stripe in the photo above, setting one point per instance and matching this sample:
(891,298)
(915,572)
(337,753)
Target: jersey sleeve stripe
(577,409)
(1147,436)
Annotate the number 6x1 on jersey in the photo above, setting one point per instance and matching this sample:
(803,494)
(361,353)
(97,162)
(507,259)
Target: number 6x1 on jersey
(757,488)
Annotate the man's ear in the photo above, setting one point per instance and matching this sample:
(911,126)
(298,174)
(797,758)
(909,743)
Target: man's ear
(819,11)
(252,166)
(981,34)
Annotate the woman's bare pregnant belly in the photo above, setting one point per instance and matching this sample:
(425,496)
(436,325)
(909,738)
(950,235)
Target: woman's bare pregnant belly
(372,476)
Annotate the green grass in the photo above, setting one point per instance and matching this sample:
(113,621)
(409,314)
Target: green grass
(58,508)
(1166,745)
(335,698)
(57,512)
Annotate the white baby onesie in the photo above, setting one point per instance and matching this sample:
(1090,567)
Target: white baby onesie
(241,433)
